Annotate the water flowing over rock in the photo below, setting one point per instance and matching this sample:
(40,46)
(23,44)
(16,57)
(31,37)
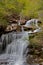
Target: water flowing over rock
(15,47)
(15,51)
(32,21)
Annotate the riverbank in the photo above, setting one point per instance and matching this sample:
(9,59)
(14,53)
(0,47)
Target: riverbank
(35,56)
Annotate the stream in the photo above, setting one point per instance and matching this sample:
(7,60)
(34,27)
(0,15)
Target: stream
(14,47)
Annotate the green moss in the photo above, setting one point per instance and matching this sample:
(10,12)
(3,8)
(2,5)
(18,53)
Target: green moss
(37,39)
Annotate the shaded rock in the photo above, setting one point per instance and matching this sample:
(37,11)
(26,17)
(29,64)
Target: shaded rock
(11,27)
(2,29)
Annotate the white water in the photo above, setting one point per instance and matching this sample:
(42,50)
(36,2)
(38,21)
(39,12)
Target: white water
(16,49)
(15,52)
(32,21)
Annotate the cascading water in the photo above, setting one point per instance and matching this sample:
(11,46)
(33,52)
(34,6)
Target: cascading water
(35,23)
(16,47)
(32,22)
(15,51)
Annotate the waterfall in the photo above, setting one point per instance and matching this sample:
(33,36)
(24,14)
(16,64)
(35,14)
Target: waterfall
(16,46)
(15,51)
(32,22)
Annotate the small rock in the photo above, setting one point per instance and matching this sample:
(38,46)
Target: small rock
(42,49)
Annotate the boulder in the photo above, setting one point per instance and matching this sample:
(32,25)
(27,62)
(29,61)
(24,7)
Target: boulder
(11,27)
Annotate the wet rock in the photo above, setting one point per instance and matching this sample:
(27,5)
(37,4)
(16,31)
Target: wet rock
(36,55)
(2,29)
(11,27)
(41,63)
(35,64)
(42,49)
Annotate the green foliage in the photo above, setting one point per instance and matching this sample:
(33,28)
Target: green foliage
(28,8)
(37,39)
